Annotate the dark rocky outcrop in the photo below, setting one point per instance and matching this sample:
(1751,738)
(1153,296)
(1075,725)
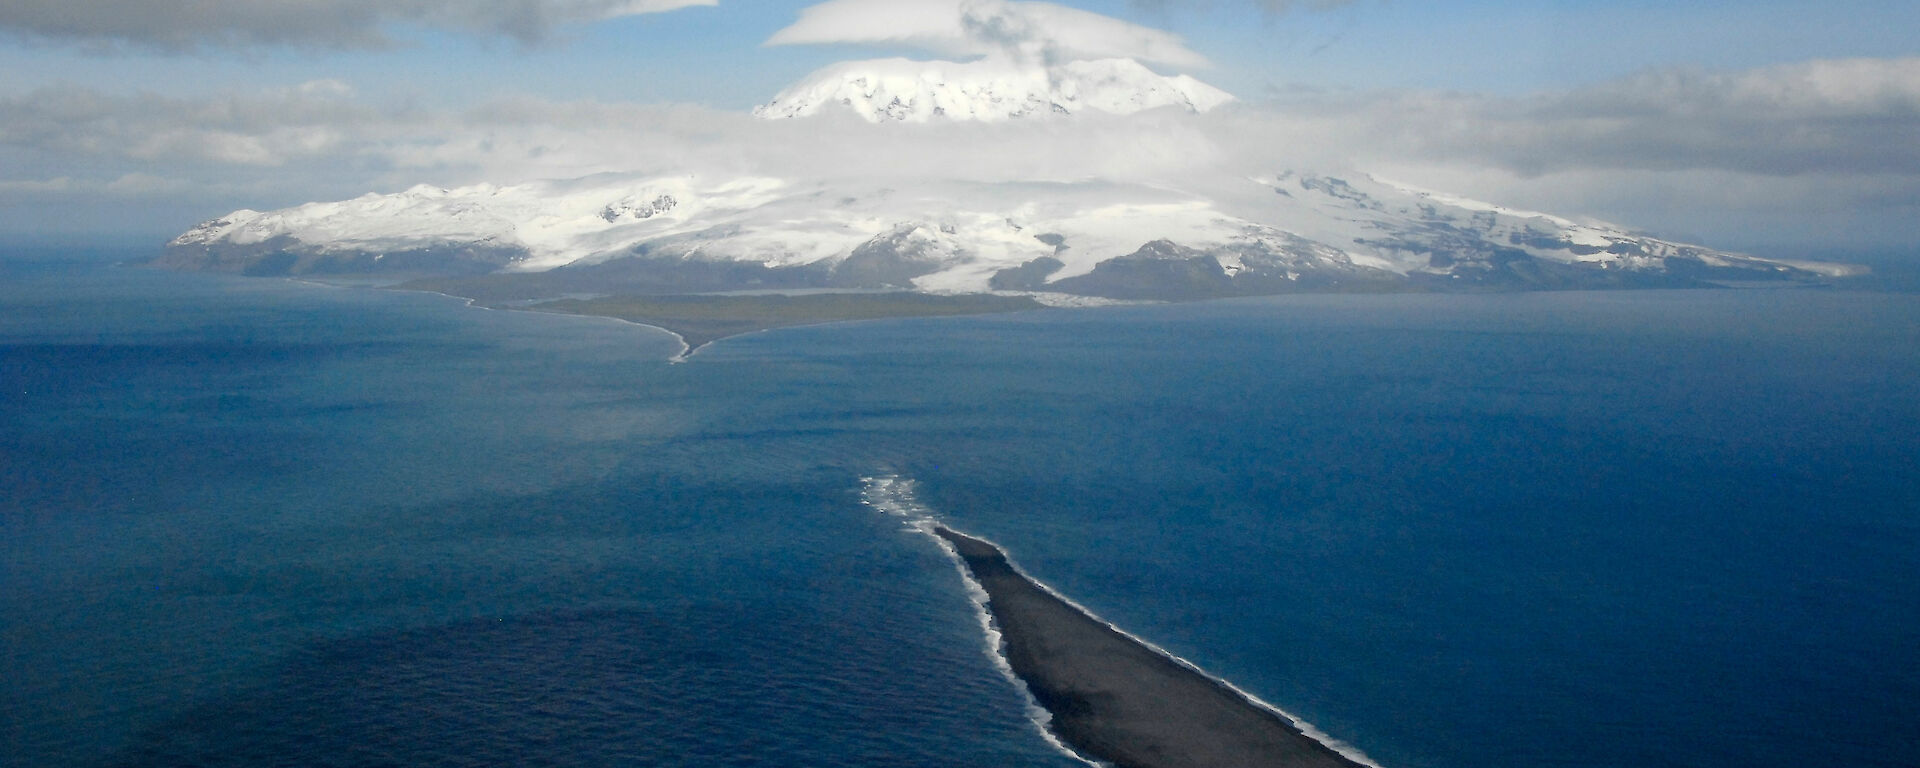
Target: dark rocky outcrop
(1263,264)
(1031,276)
(892,260)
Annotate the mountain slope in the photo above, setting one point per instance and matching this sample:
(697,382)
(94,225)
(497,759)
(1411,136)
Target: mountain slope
(1267,234)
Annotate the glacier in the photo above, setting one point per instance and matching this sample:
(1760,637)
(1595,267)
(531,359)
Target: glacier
(1269,233)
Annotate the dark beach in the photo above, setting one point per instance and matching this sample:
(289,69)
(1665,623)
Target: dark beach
(1117,700)
(702,319)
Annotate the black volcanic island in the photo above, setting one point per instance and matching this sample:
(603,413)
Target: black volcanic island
(1118,701)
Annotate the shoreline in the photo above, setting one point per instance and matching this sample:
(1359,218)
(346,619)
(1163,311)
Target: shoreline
(1119,699)
(686,350)
(699,320)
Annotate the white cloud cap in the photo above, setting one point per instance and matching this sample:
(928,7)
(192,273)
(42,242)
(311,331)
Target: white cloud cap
(1029,32)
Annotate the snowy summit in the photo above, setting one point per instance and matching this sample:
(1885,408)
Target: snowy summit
(1192,223)
(989,90)
(1003,60)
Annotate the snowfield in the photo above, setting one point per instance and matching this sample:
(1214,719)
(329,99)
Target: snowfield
(960,235)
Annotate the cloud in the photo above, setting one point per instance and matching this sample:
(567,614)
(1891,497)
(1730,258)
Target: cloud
(131,186)
(173,25)
(1829,116)
(1275,7)
(264,129)
(1818,150)
(1817,117)
(20,188)
(1026,31)
(1813,151)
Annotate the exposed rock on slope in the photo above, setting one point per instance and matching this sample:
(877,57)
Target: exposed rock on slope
(1278,233)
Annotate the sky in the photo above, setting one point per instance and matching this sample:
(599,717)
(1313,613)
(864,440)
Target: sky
(1774,127)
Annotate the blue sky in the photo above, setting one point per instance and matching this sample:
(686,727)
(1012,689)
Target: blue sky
(84,88)
(713,55)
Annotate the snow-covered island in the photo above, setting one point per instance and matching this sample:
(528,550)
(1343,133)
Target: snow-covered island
(1209,230)
(1266,234)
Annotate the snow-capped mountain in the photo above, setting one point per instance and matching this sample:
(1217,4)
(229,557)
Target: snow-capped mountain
(1186,229)
(1271,233)
(988,90)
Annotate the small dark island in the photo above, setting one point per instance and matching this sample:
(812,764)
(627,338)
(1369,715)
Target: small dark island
(1119,701)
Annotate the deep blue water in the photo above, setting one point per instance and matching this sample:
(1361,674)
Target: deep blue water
(253,522)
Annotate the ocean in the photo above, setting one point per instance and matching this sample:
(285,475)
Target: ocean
(253,522)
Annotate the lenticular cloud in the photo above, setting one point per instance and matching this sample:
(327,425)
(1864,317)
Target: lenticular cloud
(1031,32)
(1007,60)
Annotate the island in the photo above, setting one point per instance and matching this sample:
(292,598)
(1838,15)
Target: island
(1120,701)
(708,258)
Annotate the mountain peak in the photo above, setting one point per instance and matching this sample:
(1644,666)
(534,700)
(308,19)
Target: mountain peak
(988,90)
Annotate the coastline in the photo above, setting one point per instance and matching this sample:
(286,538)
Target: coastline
(699,320)
(686,349)
(1121,700)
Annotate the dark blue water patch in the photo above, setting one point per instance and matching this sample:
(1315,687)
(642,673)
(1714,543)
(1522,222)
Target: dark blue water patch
(216,474)
(767,623)
(1655,540)
(690,684)
(1665,528)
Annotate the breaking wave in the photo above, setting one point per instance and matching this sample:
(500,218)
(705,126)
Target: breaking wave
(894,496)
